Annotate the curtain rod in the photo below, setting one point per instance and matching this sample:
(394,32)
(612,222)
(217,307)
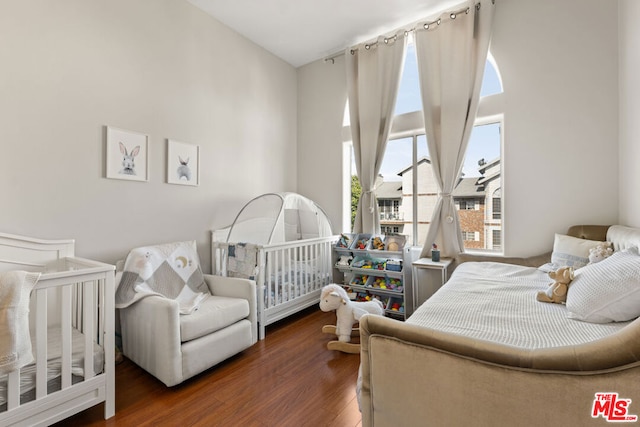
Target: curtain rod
(427,25)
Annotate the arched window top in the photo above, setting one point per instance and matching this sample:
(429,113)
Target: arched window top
(491,80)
(409,99)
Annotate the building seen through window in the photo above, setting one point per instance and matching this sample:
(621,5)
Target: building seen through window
(406,203)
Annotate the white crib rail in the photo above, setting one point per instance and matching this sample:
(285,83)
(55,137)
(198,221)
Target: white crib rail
(72,293)
(289,277)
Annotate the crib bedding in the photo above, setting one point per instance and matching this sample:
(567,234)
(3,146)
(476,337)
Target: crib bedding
(54,351)
(497,302)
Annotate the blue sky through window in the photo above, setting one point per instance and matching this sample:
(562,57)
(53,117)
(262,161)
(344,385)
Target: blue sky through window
(484,142)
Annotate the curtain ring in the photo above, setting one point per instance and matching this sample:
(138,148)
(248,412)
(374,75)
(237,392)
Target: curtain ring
(452,16)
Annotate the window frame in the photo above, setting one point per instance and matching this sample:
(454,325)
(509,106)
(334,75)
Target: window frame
(411,125)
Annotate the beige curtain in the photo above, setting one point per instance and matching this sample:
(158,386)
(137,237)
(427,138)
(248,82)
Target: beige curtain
(373,77)
(451,53)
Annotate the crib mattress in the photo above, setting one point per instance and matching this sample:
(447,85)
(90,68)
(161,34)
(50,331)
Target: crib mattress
(54,365)
(497,302)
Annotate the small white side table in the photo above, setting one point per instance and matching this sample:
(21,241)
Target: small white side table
(428,264)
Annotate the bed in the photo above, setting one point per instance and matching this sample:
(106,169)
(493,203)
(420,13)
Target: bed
(283,241)
(68,334)
(482,351)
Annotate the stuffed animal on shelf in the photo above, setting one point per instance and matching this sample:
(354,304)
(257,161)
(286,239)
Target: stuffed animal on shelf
(344,260)
(334,297)
(557,291)
(599,252)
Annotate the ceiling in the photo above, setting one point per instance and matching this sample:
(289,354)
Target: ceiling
(302,31)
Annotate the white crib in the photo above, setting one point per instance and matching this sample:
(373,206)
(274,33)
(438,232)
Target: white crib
(71,323)
(289,276)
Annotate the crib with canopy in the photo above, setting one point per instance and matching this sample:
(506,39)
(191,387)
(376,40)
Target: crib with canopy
(282,241)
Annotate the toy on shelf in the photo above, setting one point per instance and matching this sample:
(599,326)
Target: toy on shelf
(395,305)
(394,243)
(343,241)
(379,283)
(395,285)
(394,265)
(344,260)
(369,263)
(361,243)
(359,280)
(377,243)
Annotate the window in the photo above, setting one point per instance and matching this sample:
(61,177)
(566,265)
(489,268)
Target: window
(409,192)
(497,239)
(389,208)
(496,204)
(465,204)
(471,236)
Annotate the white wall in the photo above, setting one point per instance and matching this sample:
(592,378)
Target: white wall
(322,93)
(160,67)
(629,32)
(558,62)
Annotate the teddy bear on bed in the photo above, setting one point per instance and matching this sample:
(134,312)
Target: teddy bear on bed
(599,252)
(557,291)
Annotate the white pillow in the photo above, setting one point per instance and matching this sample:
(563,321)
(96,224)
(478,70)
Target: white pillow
(571,251)
(608,291)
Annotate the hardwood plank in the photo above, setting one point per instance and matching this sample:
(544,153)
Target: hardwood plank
(288,379)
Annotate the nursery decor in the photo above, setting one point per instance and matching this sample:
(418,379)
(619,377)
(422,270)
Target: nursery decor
(334,297)
(557,291)
(183,163)
(127,156)
(170,270)
(599,252)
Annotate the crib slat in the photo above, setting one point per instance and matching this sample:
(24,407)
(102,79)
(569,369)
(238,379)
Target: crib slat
(41,343)
(261,292)
(276,281)
(100,319)
(13,389)
(292,276)
(65,335)
(88,327)
(306,252)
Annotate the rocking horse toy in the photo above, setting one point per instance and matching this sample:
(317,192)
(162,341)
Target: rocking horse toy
(334,297)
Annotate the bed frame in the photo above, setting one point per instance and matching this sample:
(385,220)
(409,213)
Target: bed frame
(416,375)
(72,293)
(307,269)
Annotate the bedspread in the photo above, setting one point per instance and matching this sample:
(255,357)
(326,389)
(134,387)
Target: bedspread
(497,302)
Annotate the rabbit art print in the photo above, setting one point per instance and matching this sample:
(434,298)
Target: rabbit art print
(128,164)
(184,172)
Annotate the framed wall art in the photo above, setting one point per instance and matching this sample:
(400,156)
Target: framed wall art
(127,155)
(183,163)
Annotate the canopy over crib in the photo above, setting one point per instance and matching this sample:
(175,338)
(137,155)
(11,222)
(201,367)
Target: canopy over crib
(279,217)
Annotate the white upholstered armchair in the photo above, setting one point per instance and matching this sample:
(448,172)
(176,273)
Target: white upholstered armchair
(174,347)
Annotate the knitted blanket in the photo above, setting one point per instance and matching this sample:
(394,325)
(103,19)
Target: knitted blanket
(170,270)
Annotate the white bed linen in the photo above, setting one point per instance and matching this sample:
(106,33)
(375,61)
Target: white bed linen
(497,302)
(54,365)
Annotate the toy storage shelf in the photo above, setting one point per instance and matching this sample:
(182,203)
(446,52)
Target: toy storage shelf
(375,273)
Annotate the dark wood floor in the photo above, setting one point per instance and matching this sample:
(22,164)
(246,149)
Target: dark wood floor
(288,379)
